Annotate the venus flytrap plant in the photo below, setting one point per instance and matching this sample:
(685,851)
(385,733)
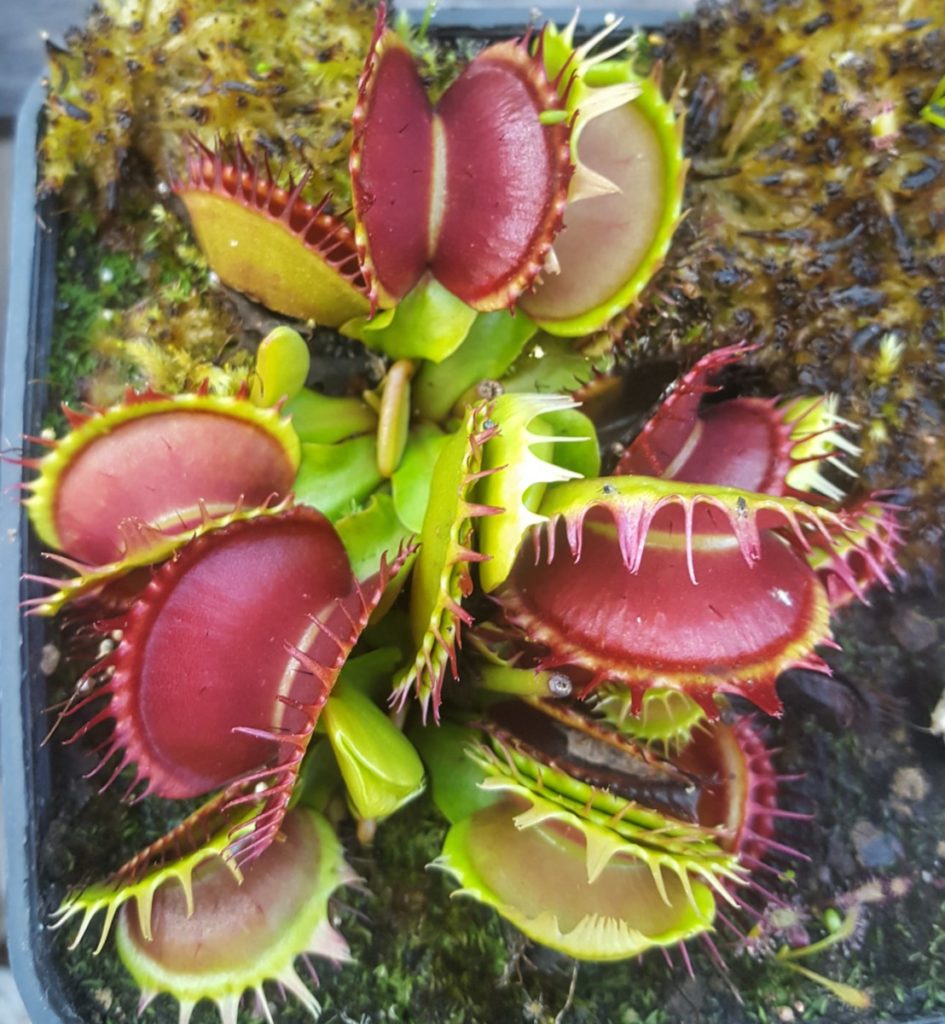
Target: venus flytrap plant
(612,794)
(617,792)
(602,792)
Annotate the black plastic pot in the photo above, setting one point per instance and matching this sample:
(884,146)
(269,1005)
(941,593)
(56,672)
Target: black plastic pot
(26,775)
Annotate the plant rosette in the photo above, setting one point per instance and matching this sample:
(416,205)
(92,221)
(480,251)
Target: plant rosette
(293,590)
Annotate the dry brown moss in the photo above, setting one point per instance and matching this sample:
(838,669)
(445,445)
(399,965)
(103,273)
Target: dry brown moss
(817,217)
(139,76)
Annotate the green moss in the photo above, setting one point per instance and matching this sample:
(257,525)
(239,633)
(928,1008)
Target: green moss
(92,282)
(136,306)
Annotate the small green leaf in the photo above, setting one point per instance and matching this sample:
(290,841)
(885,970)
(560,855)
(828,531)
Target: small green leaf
(380,767)
(454,776)
(410,484)
(323,420)
(336,478)
(393,419)
(493,343)
(428,323)
(282,365)
(371,532)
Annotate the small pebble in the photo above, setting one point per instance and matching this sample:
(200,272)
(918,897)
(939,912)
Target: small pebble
(49,659)
(899,887)
(875,849)
(911,784)
(104,997)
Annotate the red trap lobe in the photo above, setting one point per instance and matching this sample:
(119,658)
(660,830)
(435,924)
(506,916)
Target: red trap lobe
(472,189)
